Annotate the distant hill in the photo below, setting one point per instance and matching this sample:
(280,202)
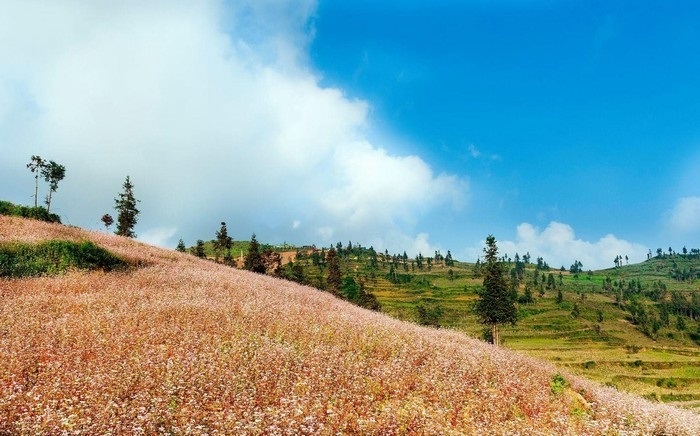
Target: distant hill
(177,344)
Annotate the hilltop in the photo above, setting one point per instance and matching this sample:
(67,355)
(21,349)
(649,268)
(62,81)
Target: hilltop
(177,344)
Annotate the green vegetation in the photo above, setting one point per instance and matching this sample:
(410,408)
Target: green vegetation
(37,213)
(52,174)
(125,205)
(254,259)
(589,322)
(54,257)
(496,302)
(558,384)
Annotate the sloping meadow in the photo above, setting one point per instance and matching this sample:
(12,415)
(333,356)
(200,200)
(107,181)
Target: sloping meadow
(183,345)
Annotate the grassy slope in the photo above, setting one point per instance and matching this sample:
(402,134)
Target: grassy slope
(185,345)
(619,355)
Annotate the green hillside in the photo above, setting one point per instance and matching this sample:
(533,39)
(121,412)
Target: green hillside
(634,327)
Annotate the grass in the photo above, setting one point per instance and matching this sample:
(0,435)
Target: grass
(54,257)
(184,345)
(38,213)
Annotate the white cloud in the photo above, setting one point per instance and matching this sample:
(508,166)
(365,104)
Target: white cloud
(558,245)
(475,153)
(159,236)
(212,110)
(685,216)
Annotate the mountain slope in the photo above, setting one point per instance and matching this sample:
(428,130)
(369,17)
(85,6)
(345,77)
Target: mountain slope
(180,344)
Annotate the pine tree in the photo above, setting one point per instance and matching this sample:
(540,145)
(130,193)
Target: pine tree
(496,304)
(560,297)
(253,260)
(181,246)
(199,249)
(334,275)
(127,211)
(223,244)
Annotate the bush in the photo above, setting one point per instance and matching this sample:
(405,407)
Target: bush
(54,257)
(558,384)
(38,213)
(590,364)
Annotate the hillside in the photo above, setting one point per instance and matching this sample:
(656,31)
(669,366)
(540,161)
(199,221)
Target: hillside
(634,327)
(176,344)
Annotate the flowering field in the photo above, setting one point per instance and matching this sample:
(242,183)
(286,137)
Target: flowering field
(182,345)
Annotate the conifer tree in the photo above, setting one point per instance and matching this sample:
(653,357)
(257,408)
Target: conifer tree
(253,260)
(496,304)
(560,297)
(334,275)
(199,249)
(125,205)
(223,244)
(181,246)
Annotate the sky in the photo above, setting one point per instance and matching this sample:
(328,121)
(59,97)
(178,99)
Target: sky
(567,129)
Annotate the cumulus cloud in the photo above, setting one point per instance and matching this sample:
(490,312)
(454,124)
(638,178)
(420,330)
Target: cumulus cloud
(684,218)
(558,245)
(214,112)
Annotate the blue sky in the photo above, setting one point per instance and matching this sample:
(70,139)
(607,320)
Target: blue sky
(566,128)
(591,108)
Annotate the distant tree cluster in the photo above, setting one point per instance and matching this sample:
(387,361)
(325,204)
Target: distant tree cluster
(692,253)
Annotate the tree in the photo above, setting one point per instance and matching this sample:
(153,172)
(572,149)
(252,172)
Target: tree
(576,312)
(125,205)
(253,260)
(429,315)
(334,275)
(527,297)
(680,323)
(52,173)
(107,220)
(560,297)
(272,261)
(36,165)
(223,244)
(199,249)
(181,246)
(496,304)
(550,281)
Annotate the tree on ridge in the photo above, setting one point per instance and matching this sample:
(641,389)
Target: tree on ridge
(127,216)
(36,165)
(223,244)
(253,260)
(52,173)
